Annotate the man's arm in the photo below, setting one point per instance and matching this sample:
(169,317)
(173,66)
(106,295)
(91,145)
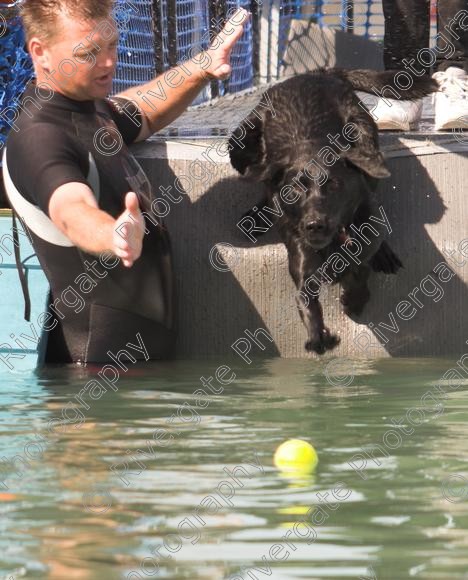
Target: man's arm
(74,210)
(178,86)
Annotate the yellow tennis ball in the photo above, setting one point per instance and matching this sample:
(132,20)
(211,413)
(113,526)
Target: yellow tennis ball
(296,455)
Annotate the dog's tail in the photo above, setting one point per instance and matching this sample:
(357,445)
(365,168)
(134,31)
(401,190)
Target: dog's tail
(389,83)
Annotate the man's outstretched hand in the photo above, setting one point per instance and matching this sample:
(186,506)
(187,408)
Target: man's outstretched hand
(129,229)
(221,47)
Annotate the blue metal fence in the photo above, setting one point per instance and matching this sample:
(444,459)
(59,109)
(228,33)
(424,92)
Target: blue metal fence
(193,20)
(156,34)
(15,71)
(183,28)
(136,50)
(241,60)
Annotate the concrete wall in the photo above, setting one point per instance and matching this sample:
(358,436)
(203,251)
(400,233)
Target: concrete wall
(425,201)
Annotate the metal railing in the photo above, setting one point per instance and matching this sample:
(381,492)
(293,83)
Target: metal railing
(157,34)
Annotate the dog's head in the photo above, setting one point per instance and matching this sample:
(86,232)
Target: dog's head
(319,187)
(319,202)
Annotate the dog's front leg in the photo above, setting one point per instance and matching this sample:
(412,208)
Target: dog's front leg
(320,339)
(302,268)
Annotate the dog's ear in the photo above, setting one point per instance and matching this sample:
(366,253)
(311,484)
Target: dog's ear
(370,162)
(247,147)
(364,151)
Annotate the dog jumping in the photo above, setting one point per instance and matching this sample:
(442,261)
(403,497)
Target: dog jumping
(316,151)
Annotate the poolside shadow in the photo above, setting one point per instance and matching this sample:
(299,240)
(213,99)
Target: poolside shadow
(415,200)
(237,291)
(424,205)
(214,309)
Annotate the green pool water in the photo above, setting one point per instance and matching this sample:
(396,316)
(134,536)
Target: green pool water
(202,498)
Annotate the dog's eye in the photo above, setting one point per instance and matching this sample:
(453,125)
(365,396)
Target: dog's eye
(332,185)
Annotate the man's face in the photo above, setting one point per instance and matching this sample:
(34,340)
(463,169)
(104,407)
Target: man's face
(82,58)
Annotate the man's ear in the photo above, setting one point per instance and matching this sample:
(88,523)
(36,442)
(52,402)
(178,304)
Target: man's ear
(247,147)
(39,53)
(369,160)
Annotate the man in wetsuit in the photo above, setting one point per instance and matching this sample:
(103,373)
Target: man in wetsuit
(82,196)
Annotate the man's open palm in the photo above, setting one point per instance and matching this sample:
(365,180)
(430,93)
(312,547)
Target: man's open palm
(129,230)
(222,45)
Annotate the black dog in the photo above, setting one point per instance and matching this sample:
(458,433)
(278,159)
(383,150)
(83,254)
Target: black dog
(316,150)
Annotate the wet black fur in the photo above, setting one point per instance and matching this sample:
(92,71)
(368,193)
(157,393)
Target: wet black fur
(276,148)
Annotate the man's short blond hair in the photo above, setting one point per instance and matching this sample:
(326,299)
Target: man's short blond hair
(41,17)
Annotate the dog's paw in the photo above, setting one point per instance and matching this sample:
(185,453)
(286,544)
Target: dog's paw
(325,341)
(354,302)
(385,260)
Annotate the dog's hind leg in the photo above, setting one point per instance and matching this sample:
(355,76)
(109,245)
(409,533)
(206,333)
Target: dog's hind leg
(385,260)
(355,290)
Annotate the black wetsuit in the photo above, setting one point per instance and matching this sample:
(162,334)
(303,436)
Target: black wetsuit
(60,140)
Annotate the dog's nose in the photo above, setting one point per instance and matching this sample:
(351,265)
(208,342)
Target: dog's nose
(316,226)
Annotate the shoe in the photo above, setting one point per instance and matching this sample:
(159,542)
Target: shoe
(451,102)
(392,114)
